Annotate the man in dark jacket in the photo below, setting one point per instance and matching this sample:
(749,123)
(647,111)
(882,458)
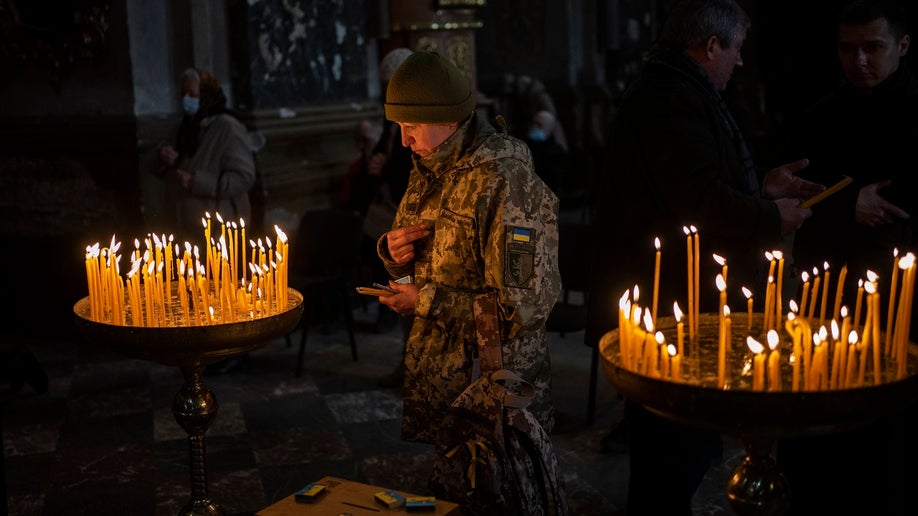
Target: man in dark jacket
(865,129)
(678,159)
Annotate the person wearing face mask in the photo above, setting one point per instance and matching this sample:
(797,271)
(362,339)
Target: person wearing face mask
(211,167)
(549,156)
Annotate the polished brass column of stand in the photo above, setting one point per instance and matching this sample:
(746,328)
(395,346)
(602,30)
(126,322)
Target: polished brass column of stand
(759,418)
(190,348)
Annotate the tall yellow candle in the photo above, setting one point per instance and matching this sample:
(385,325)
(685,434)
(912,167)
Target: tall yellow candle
(675,365)
(877,352)
(815,297)
(851,361)
(825,294)
(748,294)
(774,361)
(624,307)
(805,292)
(663,351)
(779,288)
(769,302)
(656,279)
(697,277)
(650,361)
(690,287)
(857,305)
(891,306)
(793,328)
(758,363)
(680,329)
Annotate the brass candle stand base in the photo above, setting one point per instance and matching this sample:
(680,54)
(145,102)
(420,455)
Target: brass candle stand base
(190,348)
(759,418)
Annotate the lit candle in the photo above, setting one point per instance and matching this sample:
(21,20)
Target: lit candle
(664,356)
(680,328)
(624,307)
(779,286)
(656,278)
(651,355)
(748,294)
(837,347)
(675,363)
(768,319)
(867,335)
(857,305)
(697,277)
(825,294)
(797,355)
(907,263)
(758,363)
(691,283)
(851,361)
(877,364)
(891,308)
(845,328)
(816,280)
(723,263)
(817,375)
(774,361)
(806,292)
(722,288)
(723,342)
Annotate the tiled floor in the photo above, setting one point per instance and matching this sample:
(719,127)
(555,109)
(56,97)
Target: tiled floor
(103,439)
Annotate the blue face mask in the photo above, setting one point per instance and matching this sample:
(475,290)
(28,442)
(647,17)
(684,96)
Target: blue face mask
(191,104)
(536,134)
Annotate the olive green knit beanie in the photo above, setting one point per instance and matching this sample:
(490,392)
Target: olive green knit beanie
(428,89)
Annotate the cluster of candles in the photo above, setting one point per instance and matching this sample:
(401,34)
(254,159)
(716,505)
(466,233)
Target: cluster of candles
(231,283)
(821,350)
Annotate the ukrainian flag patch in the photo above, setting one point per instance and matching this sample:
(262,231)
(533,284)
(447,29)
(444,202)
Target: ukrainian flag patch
(520,255)
(521,234)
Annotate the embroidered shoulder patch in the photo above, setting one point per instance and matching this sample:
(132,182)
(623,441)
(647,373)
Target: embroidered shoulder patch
(520,256)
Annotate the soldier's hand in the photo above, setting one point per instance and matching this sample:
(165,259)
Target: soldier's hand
(400,242)
(404,299)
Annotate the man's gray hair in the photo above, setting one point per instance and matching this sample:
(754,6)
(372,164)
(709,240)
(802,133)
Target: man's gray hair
(191,73)
(692,22)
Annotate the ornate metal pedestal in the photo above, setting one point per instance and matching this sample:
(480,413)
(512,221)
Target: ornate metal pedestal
(190,348)
(756,487)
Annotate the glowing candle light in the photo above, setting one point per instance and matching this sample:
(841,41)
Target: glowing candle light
(877,352)
(797,354)
(837,351)
(817,374)
(624,307)
(758,363)
(722,288)
(774,361)
(723,342)
(816,280)
(903,322)
(867,335)
(748,294)
(675,363)
(680,329)
(768,312)
(843,355)
(656,278)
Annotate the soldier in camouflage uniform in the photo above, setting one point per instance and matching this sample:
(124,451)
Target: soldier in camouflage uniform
(475,219)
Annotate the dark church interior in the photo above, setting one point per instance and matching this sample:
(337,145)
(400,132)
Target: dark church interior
(90,90)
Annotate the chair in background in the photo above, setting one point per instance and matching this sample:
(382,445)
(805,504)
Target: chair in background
(324,265)
(569,314)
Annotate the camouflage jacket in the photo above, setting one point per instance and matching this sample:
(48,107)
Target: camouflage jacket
(495,228)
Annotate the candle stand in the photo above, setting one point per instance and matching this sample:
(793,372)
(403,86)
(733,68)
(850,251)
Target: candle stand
(190,348)
(758,418)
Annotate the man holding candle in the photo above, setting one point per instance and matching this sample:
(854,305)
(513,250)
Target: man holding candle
(678,158)
(864,129)
(475,220)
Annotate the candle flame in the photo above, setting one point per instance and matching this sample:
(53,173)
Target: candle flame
(804,276)
(685,230)
(906,261)
(825,266)
(656,243)
(648,321)
(721,284)
(637,293)
(658,336)
(636,316)
(773,339)
(871,288)
(817,339)
(895,252)
(779,255)
(747,292)
(754,345)
(791,316)
(693,228)
(769,256)
(623,300)
(726,310)
(204,222)
(280,234)
(872,276)
(852,337)
(792,304)
(815,272)
(219,217)
(835,330)
(677,312)
(860,283)
(671,349)
(823,333)
(844,311)
(719,259)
